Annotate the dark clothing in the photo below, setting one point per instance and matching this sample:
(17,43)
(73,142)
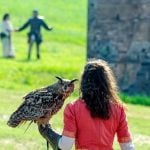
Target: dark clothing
(34,36)
(50,135)
(35,29)
(35,25)
(3,35)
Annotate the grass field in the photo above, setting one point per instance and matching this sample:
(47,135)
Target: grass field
(16,139)
(64,54)
(63,49)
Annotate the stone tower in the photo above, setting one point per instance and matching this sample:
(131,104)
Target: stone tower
(119,32)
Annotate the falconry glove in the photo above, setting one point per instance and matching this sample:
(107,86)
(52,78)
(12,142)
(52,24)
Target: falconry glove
(50,135)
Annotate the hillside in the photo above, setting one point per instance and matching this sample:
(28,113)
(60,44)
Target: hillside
(63,50)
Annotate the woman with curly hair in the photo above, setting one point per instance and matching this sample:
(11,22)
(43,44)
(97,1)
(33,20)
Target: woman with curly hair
(92,121)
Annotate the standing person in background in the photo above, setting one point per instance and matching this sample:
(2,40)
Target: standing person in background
(6,29)
(34,35)
(92,121)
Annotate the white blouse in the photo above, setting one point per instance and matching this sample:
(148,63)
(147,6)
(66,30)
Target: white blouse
(6,27)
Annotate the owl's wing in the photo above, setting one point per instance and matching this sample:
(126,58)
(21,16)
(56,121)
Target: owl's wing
(41,90)
(38,103)
(35,105)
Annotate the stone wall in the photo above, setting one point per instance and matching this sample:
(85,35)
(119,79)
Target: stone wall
(119,32)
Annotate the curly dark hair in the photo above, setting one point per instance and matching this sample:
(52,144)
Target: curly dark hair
(98,88)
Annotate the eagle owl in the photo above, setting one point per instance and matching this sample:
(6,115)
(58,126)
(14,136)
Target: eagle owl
(42,102)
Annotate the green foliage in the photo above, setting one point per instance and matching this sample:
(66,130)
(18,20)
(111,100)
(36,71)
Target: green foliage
(137,99)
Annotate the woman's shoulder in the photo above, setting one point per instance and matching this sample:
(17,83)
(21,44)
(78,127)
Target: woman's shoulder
(76,104)
(118,107)
(5,23)
(75,107)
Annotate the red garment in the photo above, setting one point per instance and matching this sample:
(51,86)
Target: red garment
(94,133)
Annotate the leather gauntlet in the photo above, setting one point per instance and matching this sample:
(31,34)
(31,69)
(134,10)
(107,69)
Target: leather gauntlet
(50,135)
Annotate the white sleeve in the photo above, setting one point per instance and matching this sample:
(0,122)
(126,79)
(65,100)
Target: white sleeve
(9,26)
(65,143)
(127,146)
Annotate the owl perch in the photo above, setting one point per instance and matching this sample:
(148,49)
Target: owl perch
(40,105)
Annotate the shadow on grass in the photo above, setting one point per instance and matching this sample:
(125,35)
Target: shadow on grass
(22,60)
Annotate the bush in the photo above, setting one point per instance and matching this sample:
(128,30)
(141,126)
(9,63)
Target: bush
(137,99)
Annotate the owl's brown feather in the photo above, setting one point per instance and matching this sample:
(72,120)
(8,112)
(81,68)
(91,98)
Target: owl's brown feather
(41,102)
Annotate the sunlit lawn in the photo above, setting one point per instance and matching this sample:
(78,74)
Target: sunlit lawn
(64,54)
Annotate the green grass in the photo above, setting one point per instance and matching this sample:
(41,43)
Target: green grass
(63,49)
(20,74)
(14,139)
(64,54)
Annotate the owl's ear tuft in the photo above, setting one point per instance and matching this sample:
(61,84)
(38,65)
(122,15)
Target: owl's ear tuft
(60,79)
(74,80)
